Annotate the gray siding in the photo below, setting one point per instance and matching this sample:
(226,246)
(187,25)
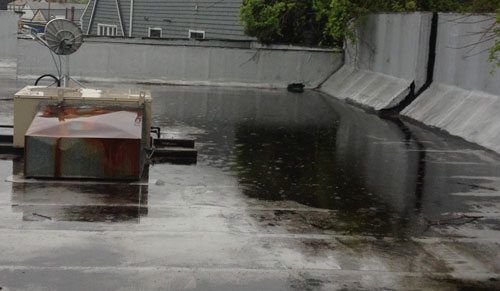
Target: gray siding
(125,10)
(86,16)
(106,13)
(219,19)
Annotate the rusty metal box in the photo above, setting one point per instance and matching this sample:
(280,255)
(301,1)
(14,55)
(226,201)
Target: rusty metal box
(27,100)
(85,141)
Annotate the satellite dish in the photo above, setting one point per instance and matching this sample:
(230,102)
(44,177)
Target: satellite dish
(63,37)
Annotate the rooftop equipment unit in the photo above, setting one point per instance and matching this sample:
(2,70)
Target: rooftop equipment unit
(86,133)
(85,141)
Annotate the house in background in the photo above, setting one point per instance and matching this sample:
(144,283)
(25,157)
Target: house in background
(22,8)
(200,19)
(43,13)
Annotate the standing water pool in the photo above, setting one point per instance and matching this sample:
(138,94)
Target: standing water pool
(291,192)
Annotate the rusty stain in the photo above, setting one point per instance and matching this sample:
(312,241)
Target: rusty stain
(120,156)
(64,112)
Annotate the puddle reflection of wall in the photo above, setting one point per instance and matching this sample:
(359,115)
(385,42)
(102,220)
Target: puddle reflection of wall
(203,105)
(352,162)
(88,201)
(379,151)
(297,147)
(455,166)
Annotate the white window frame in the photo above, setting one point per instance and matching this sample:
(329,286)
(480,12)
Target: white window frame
(155,28)
(107,29)
(196,31)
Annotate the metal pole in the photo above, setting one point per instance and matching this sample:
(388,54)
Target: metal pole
(66,73)
(131,18)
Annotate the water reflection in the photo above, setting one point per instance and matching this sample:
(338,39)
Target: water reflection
(375,176)
(318,167)
(84,201)
(372,173)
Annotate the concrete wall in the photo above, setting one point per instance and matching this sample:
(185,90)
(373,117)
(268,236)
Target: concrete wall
(462,53)
(465,96)
(177,63)
(391,53)
(8,43)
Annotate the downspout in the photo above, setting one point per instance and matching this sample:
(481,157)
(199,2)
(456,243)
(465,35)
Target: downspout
(131,18)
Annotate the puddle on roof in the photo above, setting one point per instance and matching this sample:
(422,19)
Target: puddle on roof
(372,175)
(378,176)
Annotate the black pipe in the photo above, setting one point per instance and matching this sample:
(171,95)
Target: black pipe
(57,80)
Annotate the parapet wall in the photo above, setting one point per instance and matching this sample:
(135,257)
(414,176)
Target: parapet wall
(8,43)
(185,63)
(462,52)
(464,99)
(391,53)
(390,58)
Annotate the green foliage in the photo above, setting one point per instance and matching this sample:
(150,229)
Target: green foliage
(279,21)
(263,20)
(330,22)
(460,5)
(339,15)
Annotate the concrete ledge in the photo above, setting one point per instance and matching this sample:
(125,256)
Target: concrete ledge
(366,88)
(8,68)
(235,44)
(472,115)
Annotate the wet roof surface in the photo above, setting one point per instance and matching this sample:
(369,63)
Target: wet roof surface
(291,192)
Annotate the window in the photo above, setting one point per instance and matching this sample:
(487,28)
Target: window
(106,29)
(196,34)
(154,32)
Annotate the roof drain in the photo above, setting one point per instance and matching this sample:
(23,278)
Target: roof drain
(430,73)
